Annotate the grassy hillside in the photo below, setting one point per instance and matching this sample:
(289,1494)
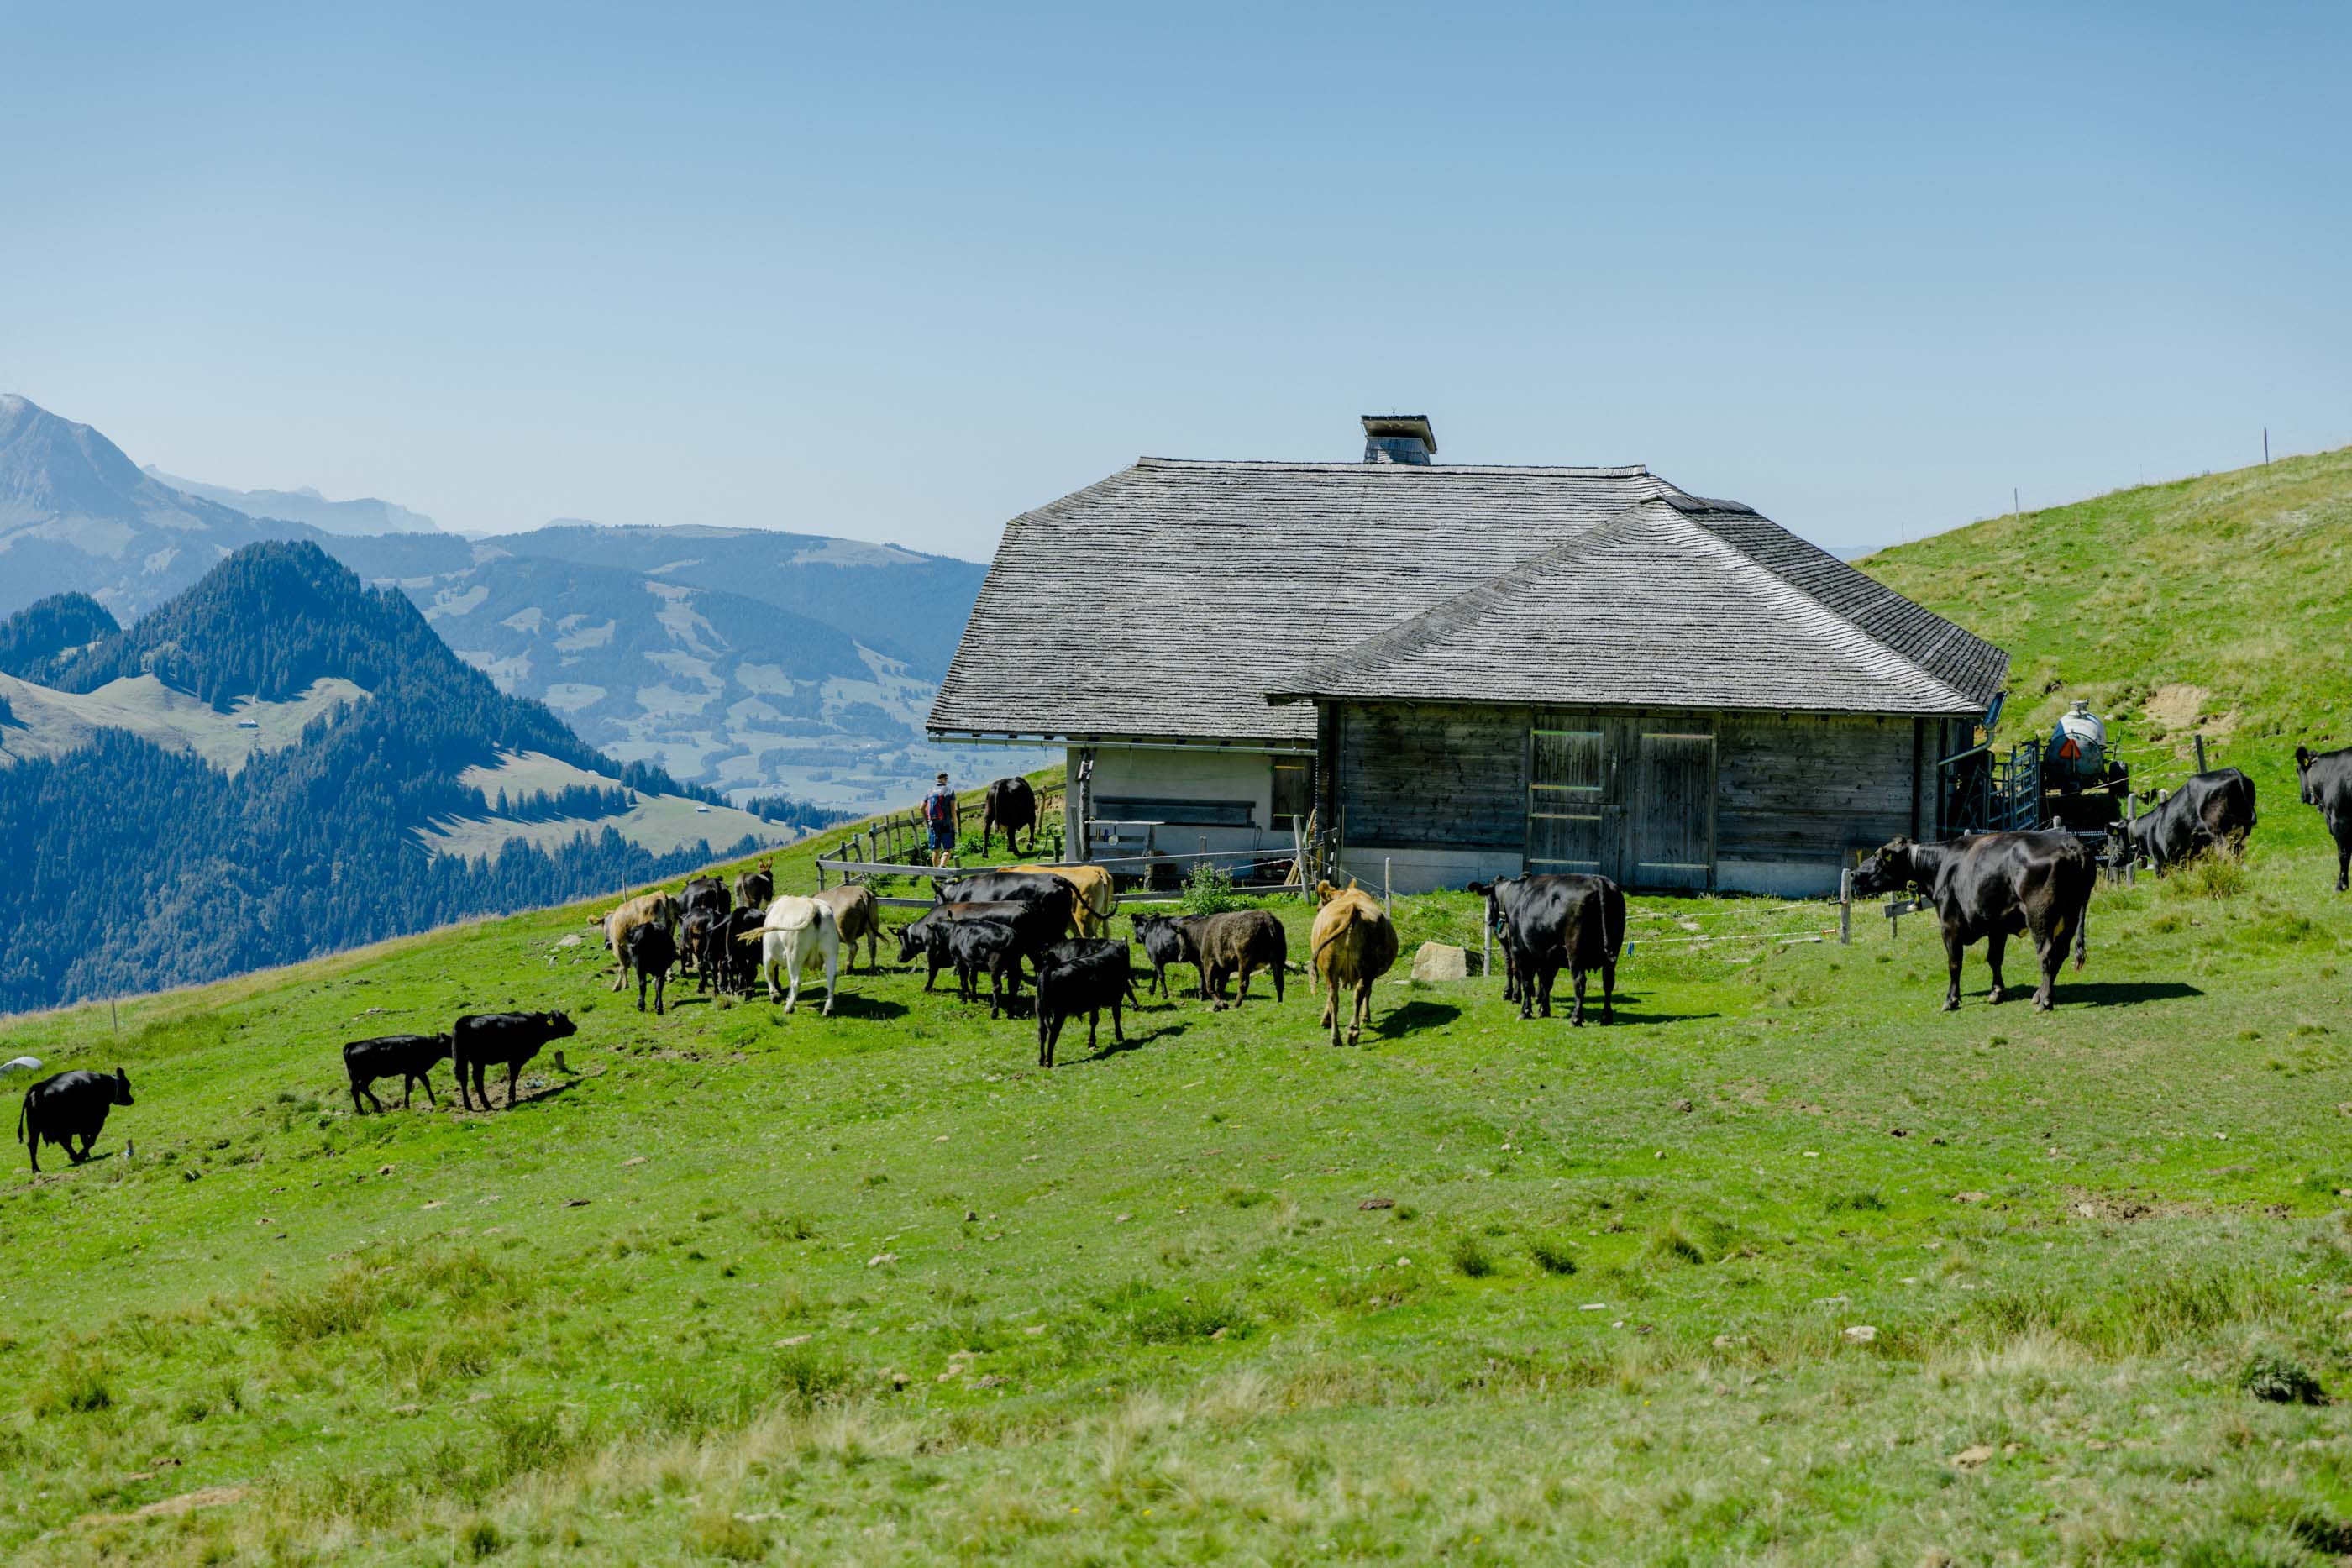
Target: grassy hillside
(1786,1267)
(2218,603)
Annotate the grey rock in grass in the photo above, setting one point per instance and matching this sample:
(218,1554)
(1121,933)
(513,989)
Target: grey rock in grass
(1441,961)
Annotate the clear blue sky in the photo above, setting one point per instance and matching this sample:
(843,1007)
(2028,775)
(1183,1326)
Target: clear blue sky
(900,273)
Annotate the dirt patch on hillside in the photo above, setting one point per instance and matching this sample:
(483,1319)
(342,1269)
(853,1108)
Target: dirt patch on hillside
(2178,708)
(2127,1207)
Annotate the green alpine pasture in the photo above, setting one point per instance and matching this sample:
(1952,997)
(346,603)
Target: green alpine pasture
(1784,1266)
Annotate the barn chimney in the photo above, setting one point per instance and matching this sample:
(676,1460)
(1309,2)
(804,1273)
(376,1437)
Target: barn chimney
(1398,438)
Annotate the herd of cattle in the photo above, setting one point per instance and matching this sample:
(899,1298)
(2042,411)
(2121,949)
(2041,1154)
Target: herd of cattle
(1056,920)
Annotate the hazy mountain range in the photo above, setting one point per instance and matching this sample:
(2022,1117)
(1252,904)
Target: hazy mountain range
(365,515)
(750,660)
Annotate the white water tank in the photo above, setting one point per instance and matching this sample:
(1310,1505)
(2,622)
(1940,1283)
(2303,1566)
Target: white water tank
(2078,744)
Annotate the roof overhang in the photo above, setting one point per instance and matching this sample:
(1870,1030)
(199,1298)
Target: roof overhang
(1247,744)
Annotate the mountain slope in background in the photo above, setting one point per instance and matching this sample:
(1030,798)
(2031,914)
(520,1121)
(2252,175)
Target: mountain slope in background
(2216,605)
(75,515)
(745,660)
(282,762)
(364,516)
(750,661)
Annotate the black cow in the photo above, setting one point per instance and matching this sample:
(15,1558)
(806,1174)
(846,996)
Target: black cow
(757,888)
(1012,805)
(704,892)
(1498,895)
(2210,811)
(704,948)
(927,936)
(1995,886)
(739,960)
(1049,892)
(1163,936)
(409,1057)
(2325,778)
(972,946)
(1555,920)
(68,1105)
(652,954)
(1088,982)
(478,1041)
(1042,918)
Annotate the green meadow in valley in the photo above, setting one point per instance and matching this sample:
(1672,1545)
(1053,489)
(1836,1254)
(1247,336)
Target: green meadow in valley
(1785,1265)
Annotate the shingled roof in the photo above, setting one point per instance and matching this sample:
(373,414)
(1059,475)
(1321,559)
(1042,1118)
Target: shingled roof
(1172,600)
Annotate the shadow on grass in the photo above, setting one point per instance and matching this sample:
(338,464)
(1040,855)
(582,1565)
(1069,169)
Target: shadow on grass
(1134,1042)
(1411,1017)
(852,1006)
(530,1097)
(2110,993)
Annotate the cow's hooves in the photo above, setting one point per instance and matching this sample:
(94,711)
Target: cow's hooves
(1949,1005)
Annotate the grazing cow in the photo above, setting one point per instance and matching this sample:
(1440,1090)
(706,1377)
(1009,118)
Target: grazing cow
(860,914)
(1352,944)
(1163,936)
(1558,921)
(654,908)
(652,952)
(972,946)
(410,1056)
(1995,886)
(482,1041)
(753,889)
(1012,805)
(68,1105)
(794,931)
(2210,810)
(2326,779)
(704,892)
(1086,982)
(704,949)
(1094,898)
(1237,942)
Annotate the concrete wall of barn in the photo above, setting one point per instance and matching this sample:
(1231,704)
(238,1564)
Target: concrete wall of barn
(1440,793)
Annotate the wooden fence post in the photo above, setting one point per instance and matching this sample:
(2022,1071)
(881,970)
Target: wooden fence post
(1486,953)
(1386,904)
(2131,841)
(1845,907)
(2201,754)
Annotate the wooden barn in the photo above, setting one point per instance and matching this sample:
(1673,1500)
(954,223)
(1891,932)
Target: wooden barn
(1466,671)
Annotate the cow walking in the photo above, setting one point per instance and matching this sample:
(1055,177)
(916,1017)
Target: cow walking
(2325,780)
(1557,921)
(1352,944)
(408,1057)
(68,1105)
(1011,804)
(1990,888)
(478,1041)
(795,931)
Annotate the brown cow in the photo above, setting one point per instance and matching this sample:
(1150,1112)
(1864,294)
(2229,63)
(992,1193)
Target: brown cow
(654,908)
(1092,897)
(859,914)
(1353,944)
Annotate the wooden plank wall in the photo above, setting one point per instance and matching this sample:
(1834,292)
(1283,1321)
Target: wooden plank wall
(1415,773)
(1789,787)
(1806,787)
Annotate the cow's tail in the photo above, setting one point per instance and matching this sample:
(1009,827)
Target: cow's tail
(24,1121)
(2081,934)
(1612,920)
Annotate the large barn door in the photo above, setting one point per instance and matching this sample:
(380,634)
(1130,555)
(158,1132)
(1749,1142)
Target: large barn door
(1674,810)
(1566,775)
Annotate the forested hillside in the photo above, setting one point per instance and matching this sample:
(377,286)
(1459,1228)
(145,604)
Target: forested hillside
(137,867)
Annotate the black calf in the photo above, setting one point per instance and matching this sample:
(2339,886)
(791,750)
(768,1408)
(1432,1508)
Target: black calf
(410,1056)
